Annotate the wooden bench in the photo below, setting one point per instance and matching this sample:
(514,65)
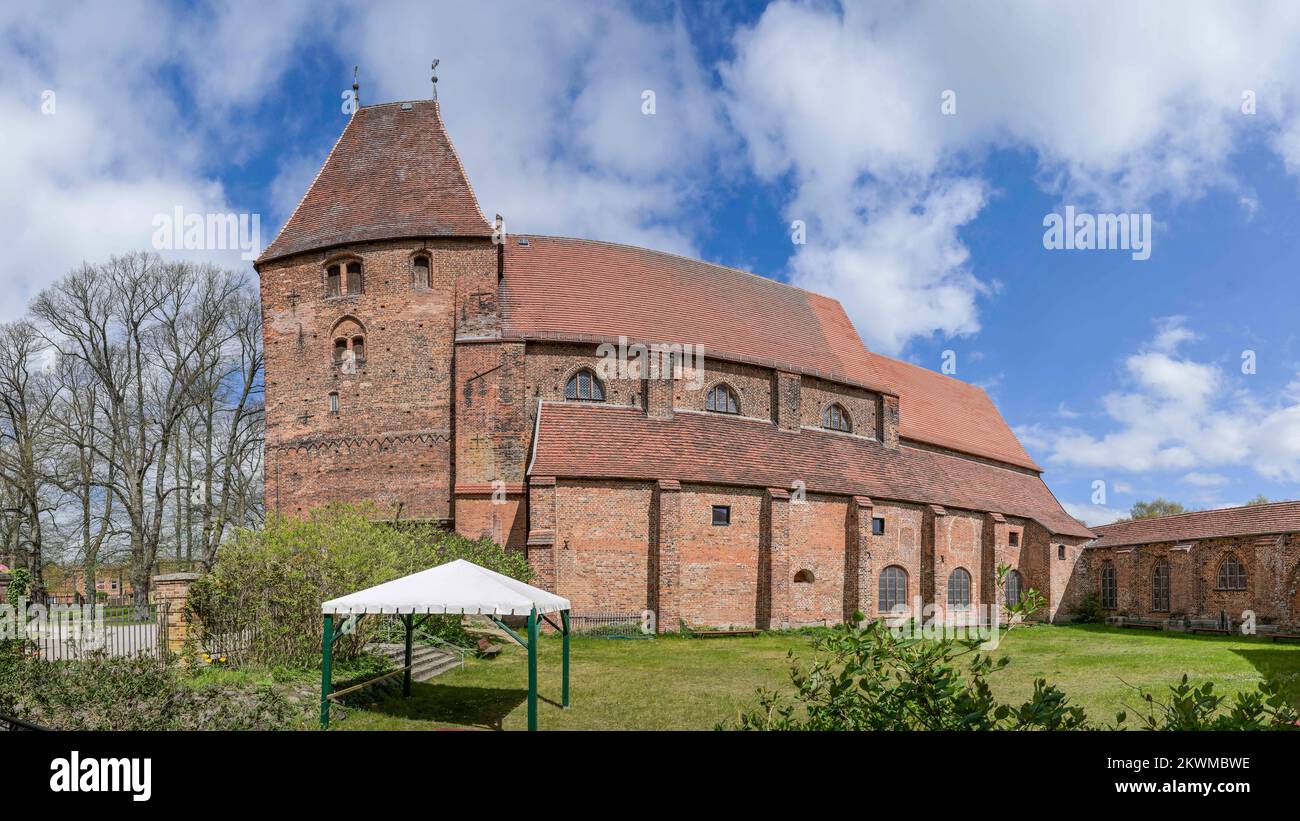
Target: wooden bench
(712,634)
(1143,625)
(1284,637)
(1222,631)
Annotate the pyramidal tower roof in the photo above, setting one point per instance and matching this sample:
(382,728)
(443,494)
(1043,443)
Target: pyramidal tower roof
(392,174)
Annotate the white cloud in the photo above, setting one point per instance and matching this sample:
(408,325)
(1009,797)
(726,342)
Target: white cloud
(1199,479)
(1178,414)
(1122,104)
(1093,514)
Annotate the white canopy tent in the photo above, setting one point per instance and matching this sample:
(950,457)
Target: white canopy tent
(458,587)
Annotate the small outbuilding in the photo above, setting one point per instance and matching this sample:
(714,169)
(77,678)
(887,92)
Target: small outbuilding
(458,587)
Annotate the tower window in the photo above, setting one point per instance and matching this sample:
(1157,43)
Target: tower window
(359,349)
(804,576)
(340,350)
(332,280)
(334,402)
(584,386)
(721,515)
(1013,538)
(877,526)
(836,418)
(355,283)
(1060,552)
(722,399)
(420,272)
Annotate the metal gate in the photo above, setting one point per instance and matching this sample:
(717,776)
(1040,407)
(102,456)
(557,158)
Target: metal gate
(68,632)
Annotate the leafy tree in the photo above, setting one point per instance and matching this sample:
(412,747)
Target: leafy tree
(262,598)
(1260,499)
(1158,506)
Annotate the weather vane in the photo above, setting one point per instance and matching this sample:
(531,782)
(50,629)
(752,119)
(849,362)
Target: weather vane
(434,69)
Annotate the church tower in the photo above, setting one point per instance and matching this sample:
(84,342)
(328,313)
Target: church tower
(386,262)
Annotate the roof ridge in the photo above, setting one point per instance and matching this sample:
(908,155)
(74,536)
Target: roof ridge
(1187,513)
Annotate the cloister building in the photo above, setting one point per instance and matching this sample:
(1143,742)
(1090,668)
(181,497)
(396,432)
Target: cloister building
(775,472)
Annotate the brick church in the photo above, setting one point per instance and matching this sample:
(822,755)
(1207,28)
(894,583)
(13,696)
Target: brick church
(773,472)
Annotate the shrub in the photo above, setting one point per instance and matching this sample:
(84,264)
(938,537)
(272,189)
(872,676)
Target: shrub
(1090,610)
(262,599)
(135,693)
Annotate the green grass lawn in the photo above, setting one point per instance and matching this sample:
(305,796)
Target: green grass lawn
(674,683)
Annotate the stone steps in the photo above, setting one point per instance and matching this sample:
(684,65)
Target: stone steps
(426,661)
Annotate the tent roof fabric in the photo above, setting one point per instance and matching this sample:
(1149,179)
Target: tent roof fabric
(458,586)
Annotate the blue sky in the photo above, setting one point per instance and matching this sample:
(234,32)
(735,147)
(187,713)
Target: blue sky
(927,225)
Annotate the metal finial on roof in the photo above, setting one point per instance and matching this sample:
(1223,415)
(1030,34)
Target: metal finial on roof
(356,88)
(434,69)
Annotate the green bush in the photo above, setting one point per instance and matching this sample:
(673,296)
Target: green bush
(867,678)
(262,598)
(136,693)
(1089,610)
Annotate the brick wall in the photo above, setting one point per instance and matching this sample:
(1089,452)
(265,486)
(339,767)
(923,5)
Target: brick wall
(1272,565)
(390,440)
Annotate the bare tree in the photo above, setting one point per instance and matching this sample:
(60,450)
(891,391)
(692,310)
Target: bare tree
(26,400)
(159,340)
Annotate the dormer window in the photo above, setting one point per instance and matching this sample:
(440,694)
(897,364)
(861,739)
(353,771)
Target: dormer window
(585,387)
(722,399)
(420,267)
(836,418)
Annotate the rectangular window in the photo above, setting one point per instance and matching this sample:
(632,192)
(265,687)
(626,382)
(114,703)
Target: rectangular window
(1013,538)
(332,281)
(877,526)
(721,515)
(1060,552)
(334,403)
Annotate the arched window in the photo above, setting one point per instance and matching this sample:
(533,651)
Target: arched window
(836,418)
(333,277)
(959,589)
(349,345)
(420,272)
(1232,574)
(804,576)
(1109,588)
(1160,586)
(893,589)
(584,386)
(355,283)
(722,399)
(1013,588)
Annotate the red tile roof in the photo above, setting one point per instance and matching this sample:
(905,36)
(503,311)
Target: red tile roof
(579,289)
(393,173)
(1251,520)
(557,287)
(943,411)
(603,441)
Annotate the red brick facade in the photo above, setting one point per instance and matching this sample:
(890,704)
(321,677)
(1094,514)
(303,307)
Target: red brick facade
(456,411)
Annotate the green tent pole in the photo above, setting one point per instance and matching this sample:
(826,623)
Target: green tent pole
(564,622)
(326,653)
(406,677)
(532,670)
